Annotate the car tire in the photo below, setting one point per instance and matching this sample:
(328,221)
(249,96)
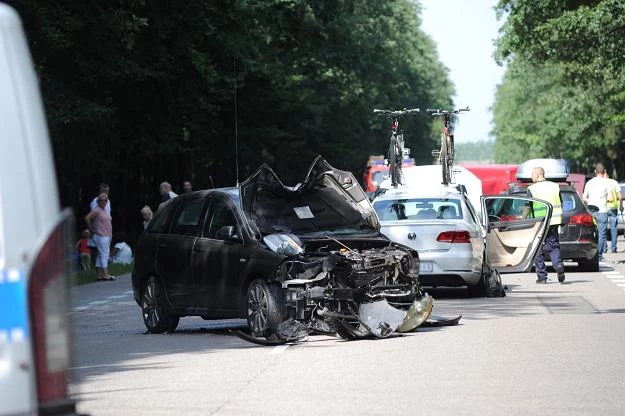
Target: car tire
(155,308)
(265,307)
(478,290)
(590,266)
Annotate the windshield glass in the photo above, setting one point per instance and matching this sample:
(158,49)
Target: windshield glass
(418,209)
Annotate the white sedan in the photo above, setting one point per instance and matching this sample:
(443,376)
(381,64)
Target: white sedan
(442,225)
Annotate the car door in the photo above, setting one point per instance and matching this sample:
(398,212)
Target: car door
(216,259)
(513,235)
(173,259)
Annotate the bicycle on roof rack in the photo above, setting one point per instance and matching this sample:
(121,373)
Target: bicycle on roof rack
(446,153)
(396,146)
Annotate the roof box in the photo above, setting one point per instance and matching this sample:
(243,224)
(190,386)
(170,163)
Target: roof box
(555,169)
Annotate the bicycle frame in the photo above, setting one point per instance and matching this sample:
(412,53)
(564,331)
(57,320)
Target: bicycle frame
(447,151)
(396,145)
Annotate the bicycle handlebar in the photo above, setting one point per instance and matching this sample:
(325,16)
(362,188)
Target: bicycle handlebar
(397,113)
(441,112)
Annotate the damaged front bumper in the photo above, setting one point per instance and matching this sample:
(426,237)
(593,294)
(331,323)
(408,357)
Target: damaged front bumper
(381,319)
(374,319)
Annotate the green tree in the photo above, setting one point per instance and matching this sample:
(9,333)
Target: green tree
(142,91)
(563,93)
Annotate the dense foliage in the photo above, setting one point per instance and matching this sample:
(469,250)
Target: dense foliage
(142,91)
(477,151)
(564,91)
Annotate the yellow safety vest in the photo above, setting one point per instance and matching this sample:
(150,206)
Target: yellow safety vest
(614,203)
(550,192)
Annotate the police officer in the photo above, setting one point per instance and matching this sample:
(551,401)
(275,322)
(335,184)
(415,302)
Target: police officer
(550,192)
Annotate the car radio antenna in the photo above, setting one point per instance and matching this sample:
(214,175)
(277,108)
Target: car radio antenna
(236,126)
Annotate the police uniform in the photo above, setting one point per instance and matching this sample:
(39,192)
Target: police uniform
(550,192)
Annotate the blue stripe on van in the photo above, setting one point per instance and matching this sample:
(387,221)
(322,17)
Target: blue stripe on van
(13,304)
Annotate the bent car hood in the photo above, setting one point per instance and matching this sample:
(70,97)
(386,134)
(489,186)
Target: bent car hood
(327,200)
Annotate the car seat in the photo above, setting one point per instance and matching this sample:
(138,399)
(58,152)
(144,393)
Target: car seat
(426,214)
(447,211)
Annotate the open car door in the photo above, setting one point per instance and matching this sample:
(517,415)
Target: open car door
(516,227)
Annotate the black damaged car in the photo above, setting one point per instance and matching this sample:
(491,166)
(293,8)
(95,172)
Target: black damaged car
(291,260)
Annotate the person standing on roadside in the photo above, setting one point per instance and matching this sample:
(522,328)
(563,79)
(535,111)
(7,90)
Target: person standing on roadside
(550,192)
(85,252)
(100,223)
(615,204)
(104,189)
(596,198)
(166,192)
(147,214)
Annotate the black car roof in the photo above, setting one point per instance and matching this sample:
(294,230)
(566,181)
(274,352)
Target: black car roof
(233,192)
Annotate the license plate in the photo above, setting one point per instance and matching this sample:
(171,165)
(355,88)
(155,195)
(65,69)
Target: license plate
(426,266)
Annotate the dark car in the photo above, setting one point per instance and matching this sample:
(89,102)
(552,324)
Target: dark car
(292,260)
(578,232)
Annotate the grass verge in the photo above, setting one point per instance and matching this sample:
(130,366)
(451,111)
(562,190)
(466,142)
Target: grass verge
(88,276)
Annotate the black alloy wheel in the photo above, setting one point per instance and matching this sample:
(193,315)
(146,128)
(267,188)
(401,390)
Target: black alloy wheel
(266,307)
(155,309)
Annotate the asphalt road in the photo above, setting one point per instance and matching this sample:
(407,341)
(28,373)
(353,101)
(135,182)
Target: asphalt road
(555,349)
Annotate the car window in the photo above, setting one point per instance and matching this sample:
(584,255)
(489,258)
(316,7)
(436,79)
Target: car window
(569,202)
(506,209)
(160,221)
(418,209)
(187,219)
(220,215)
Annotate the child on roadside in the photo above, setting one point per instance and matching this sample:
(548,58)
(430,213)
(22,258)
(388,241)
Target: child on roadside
(85,251)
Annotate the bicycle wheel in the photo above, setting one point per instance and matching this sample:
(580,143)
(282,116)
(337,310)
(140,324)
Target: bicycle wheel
(395,156)
(446,174)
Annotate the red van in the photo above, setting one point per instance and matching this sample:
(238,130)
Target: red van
(377,170)
(495,177)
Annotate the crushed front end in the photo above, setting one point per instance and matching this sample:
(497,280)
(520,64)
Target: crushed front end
(355,293)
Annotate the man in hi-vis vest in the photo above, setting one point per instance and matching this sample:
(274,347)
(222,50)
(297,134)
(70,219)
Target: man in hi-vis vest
(550,192)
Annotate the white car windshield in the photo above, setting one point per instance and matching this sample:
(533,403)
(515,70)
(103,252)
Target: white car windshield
(418,209)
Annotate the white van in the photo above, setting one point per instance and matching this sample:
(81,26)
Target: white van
(34,232)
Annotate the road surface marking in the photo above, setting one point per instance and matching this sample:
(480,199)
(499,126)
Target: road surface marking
(620,284)
(611,272)
(278,349)
(98,302)
(108,299)
(117,297)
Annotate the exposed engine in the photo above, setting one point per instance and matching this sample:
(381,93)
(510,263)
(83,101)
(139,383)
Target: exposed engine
(331,290)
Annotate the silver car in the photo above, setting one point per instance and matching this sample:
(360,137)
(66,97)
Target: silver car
(443,226)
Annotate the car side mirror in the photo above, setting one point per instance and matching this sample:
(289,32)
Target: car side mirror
(227,233)
(593,208)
